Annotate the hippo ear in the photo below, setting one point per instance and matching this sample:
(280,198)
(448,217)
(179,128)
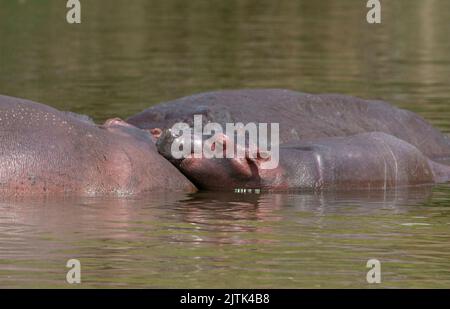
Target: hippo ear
(116,122)
(155,133)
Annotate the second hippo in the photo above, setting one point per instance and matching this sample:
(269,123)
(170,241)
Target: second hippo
(301,116)
(373,160)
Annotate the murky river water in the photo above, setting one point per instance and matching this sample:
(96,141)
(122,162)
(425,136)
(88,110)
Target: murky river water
(128,55)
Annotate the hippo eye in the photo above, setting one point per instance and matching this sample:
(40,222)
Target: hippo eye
(176,135)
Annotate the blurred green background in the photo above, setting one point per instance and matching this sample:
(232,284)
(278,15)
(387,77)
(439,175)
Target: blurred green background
(128,55)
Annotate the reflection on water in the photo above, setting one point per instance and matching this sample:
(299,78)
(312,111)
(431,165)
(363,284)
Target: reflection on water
(229,240)
(126,56)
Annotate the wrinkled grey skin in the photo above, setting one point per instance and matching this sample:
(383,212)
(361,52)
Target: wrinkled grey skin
(46,151)
(301,116)
(364,161)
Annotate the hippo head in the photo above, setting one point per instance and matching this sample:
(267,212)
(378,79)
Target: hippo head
(215,173)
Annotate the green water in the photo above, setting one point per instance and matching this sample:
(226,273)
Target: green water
(128,55)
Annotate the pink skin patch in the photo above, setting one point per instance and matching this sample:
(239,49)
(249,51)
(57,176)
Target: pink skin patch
(116,122)
(155,133)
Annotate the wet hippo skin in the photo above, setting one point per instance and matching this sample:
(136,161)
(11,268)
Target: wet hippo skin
(301,116)
(373,160)
(46,151)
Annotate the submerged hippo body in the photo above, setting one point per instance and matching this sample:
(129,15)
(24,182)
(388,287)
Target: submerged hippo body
(363,161)
(43,150)
(300,116)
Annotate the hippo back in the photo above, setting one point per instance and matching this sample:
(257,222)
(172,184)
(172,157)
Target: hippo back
(43,150)
(301,116)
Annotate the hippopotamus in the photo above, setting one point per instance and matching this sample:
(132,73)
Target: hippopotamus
(301,116)
(47,151)
(374,160)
